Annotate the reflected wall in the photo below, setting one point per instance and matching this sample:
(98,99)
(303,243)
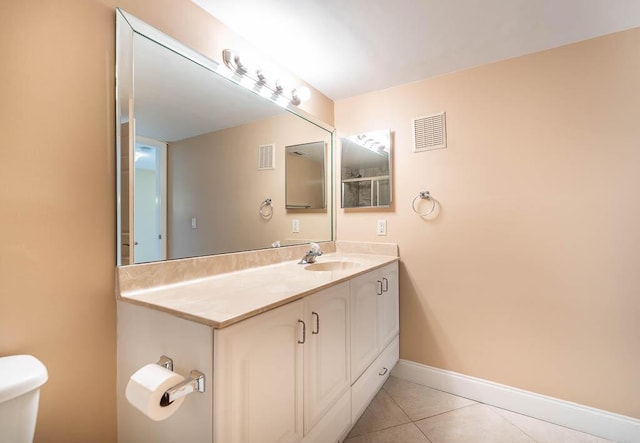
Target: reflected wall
(215,179)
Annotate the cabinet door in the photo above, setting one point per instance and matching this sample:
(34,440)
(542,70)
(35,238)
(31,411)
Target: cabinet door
(364,347)
(258,378)
(388,323)
(326,352)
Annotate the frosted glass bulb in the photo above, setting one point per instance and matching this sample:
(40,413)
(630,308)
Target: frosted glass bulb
(303,93)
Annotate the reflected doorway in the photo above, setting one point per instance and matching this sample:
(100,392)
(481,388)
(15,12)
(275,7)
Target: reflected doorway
(149,219)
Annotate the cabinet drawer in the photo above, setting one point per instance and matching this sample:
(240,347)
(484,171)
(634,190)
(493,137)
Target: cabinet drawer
(367,386)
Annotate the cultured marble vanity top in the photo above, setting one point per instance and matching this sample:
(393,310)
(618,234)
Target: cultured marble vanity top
(226,298)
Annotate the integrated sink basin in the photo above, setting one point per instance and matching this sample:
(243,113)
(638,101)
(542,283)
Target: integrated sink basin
(334,265)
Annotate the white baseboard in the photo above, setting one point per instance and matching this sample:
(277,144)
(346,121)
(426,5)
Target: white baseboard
(593,421)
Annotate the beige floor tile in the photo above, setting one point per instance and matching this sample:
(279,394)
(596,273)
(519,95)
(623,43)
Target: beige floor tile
(544,432)
(407,433)
(419,402)
(382,413)
(474,424)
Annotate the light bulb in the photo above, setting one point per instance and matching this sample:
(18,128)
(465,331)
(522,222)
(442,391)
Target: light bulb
(303,93)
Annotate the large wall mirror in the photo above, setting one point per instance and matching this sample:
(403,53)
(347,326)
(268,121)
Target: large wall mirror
(191,143)
(366,170)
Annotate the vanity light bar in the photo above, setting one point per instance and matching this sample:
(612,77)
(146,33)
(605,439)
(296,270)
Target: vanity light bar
(297,95)
(376,141)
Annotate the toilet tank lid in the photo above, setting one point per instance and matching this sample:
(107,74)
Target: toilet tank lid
(20,374)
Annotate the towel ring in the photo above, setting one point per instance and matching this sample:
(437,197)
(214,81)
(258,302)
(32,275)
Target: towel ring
(266,210)
(423,195)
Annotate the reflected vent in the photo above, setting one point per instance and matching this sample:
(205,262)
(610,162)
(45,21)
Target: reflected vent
(266,157)
(429,132)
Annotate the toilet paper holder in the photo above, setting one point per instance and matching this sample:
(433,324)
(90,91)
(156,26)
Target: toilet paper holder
(195,383)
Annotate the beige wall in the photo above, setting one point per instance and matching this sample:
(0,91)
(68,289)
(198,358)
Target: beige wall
(57,195)
(529,275)
(215,178)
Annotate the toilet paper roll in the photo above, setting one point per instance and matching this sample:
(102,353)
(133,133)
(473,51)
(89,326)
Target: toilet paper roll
(146,387)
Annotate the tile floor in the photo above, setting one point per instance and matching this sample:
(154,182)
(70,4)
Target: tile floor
(405,412)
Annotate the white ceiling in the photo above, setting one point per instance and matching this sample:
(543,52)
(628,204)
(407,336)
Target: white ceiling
(349,47)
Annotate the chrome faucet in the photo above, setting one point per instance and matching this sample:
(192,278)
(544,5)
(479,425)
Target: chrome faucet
(311,256)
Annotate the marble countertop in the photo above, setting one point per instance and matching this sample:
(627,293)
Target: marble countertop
(224,299)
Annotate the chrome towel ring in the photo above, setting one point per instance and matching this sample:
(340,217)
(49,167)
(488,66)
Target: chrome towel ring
(266,209)
(423,195)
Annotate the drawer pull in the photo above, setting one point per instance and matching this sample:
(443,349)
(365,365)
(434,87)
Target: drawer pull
(304,333)
(385,288)
(317,323)
(383,372)
(379,288)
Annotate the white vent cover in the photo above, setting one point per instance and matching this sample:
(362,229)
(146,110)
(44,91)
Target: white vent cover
(429,132)
(266,157)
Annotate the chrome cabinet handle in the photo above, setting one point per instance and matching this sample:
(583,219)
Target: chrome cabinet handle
(317,323)
(379,288)
(304,333)
(386,284)
(383,372)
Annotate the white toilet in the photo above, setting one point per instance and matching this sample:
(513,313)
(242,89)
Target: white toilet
(20,379)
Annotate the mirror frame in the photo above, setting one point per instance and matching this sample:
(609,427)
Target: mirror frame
(126,26)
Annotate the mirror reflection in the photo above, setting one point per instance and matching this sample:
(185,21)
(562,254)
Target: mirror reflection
(305,175)
(366,170)
(205,153)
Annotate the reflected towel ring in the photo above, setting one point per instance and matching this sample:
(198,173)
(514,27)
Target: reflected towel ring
(423,195)
(266,210)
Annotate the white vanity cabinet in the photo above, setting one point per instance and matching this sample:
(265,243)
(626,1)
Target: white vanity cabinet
(364,323)
(374,316)
(326,352)
(374,333)
(300,373)
(387,307)
(277,374)
(258,378)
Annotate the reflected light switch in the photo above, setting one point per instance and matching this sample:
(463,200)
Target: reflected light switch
(194,223)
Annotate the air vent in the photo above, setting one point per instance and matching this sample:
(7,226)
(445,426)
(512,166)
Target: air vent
(429,132)
(266,157)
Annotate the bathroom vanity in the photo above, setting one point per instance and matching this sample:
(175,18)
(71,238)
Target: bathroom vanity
(290,352)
